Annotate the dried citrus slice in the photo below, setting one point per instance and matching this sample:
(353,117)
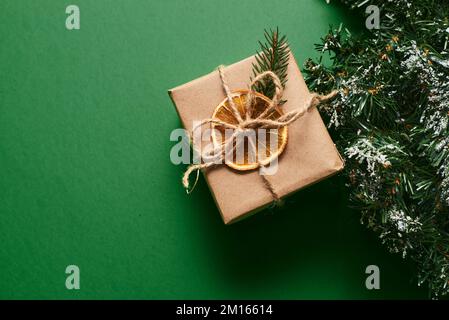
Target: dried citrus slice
(250,158)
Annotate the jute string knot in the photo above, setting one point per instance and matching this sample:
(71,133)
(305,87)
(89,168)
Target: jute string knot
(216,155)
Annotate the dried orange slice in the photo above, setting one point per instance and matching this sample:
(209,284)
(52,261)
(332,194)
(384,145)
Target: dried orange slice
(251,157)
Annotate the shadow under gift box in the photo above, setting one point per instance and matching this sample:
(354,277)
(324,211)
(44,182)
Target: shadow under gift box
(310,154)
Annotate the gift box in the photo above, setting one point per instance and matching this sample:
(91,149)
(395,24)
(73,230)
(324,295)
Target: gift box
(309,156)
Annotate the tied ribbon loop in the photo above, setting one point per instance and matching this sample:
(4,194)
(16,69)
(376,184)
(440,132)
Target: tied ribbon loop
(216,155)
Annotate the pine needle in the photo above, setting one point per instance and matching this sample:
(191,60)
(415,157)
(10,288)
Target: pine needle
(273,56)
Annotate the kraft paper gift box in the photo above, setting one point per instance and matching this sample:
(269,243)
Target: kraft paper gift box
(310,154)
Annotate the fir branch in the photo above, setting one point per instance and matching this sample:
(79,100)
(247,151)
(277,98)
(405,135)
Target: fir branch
(391,120)
(273,56)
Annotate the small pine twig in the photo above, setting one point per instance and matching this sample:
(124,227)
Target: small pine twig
(273,56)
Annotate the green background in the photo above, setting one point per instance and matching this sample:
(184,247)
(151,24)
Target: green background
(86,177)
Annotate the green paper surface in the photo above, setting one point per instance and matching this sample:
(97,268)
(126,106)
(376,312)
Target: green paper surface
(86,177)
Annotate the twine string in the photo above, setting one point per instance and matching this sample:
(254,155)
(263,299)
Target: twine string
(217,155)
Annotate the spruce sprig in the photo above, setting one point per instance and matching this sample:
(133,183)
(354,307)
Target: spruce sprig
(273,56)
(391,121)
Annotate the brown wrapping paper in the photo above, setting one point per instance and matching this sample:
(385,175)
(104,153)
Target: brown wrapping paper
(309,157)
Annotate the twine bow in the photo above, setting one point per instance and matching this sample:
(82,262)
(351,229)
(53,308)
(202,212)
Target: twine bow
(216,155)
